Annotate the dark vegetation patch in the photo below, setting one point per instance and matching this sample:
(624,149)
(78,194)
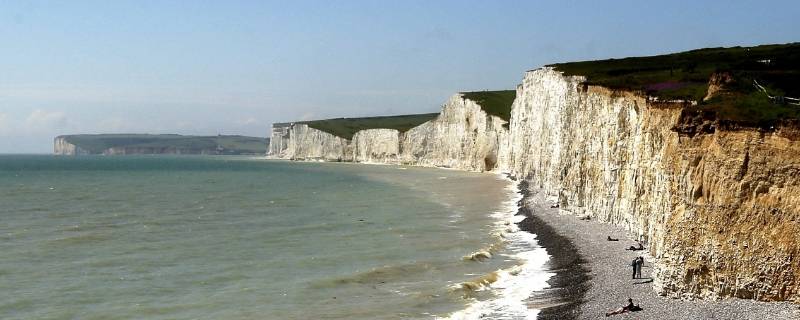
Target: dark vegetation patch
(97,143)
(347,127)
(495,103)
(685,76)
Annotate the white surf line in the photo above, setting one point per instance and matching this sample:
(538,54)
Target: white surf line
(516,284)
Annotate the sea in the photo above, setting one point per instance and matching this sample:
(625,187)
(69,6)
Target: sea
(234,237)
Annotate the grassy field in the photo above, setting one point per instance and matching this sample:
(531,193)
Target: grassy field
(685,76)
(496,103)
(96,143)
(347,127)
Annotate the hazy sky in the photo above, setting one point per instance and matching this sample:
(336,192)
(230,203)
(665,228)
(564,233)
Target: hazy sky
(234,67)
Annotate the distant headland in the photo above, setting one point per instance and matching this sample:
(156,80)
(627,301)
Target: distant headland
(129,144)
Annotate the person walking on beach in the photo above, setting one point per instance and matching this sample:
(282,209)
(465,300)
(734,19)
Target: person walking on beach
(634,263)
(639,264)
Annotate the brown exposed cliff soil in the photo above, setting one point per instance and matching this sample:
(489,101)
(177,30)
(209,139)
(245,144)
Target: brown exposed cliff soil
(738,233)
(717,84)
(694,121)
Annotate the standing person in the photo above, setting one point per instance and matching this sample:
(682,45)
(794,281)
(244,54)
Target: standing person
(634,263)
(639,264)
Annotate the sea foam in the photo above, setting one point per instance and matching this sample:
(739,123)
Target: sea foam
(511,287)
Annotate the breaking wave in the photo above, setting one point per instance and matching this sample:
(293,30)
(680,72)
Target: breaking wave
(485,253)
(380,274)
(510,287)
(479,283)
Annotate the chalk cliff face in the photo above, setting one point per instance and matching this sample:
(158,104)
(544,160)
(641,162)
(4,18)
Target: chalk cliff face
(463,136)
(376,146)
(62,147)
(307,143)
(279,140)
(599,152)
(719,209)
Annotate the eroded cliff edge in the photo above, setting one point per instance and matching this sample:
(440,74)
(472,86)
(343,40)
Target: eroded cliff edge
(718,206)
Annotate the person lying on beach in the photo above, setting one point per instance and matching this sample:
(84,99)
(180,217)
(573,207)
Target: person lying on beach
(640,247)
(612,239)
(629,307)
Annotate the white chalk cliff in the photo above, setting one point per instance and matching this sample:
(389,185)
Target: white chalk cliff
(463,136)
(63,147)
(719,209)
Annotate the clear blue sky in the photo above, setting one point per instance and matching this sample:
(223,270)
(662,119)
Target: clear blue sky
(234,67)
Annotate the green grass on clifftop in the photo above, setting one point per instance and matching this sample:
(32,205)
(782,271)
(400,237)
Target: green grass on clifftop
(347,127)
(685,76)
(97,143)
(495,103)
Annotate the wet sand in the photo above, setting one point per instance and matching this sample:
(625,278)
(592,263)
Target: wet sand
(593,275)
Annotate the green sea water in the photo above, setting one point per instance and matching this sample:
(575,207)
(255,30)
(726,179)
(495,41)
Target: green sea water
(160,237)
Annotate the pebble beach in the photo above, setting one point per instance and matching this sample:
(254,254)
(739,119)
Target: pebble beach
(593,275)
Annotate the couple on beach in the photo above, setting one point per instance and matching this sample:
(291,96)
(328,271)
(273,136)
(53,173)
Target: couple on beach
(637,264)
